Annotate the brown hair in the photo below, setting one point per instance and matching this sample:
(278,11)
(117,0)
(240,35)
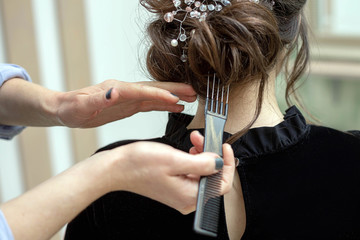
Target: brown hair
(241,44)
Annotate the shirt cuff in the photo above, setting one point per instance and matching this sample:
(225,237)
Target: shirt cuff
(7,72)
(5,231)
(8,132)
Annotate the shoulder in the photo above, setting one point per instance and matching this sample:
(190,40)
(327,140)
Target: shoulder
(334,134)
(355,133)
(332,140)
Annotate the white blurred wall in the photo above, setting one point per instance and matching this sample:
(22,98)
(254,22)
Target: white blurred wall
(114,37)
(338,17)
(11,180)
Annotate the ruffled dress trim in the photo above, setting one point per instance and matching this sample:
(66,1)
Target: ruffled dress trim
(256,142)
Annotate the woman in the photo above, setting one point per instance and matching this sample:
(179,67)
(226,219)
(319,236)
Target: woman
(293,181)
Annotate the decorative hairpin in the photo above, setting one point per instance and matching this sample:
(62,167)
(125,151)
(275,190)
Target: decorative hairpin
(198,9)
(195,9)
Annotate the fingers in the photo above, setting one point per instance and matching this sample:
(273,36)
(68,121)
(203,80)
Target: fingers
(138,97)
(144,92)
(126,91)
(205,163)
(132,97)
(228,169)
(145,97)
(198,141)
(147,106)
(228,156)
(201,164)
(193,151)
(184,91)
(228,164)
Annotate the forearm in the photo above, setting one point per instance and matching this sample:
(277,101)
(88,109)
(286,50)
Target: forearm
(27,104)
(44,210)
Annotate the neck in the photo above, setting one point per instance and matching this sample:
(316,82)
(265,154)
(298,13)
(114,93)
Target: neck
(242,106)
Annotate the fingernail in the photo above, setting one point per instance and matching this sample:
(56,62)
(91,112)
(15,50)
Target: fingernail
(174,95)
(237,162)
(108,94)
(219,163)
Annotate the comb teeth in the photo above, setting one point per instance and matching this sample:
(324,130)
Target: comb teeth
(211,204)
(217,101)
(209,199)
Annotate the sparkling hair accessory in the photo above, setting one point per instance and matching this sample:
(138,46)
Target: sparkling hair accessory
(198,9)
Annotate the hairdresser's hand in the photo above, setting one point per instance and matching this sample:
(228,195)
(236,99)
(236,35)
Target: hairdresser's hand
(151,169)
(198,145)
(112,100)
(163,173)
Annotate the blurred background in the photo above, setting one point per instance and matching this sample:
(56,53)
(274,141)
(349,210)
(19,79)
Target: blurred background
(70,44)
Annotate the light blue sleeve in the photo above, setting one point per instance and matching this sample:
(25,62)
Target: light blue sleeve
(5,231)
(7,72)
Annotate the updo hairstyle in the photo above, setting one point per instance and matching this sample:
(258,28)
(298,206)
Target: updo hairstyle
(241,43)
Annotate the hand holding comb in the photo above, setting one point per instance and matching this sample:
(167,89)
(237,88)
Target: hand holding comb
(208,203)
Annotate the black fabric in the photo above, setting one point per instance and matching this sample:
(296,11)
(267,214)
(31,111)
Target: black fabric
(299,181)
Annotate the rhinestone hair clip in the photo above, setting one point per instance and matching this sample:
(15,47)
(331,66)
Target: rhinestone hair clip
(194,9)
(198,9)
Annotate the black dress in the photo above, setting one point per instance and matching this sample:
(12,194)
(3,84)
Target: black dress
(299,181)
